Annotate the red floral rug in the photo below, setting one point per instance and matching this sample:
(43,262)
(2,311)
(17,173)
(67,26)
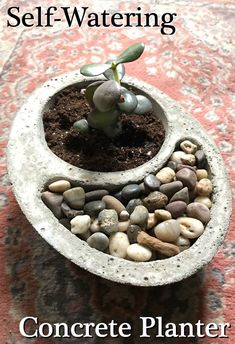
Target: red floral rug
(195,67)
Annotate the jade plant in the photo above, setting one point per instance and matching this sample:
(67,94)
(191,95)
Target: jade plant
(109,98)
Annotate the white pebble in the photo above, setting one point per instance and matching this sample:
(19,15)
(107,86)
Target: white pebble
(162,214)
(204,200)
(139,253)
(190,228)
(166,175)
(59,186)
(118,244)
(204,187)
(123,225)
(188,147)
(167,230)
(201,173)
(80,224)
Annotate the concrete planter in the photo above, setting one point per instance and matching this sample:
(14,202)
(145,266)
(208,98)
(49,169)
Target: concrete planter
(31,165)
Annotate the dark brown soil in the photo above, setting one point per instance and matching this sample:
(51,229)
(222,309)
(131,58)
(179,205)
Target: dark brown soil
(140,140)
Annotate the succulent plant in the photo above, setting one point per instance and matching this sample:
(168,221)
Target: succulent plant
(108,98)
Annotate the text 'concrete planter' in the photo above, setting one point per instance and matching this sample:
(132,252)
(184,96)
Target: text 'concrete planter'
(31,165)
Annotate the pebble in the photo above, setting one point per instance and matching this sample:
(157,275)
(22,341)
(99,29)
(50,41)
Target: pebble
(169,189)
(189,159)
(118,196)
(139,253)
(204,187)
(53,202)
(166,175)
(190,228)
(168,230)
(132,204)
(65,222)
(124,215)
(86,235)
(99,241)
(172,165)
(95,195)
(177,208)
(188,147)
(187,177)
(75,197)
(69,212)
(108,221)
(123,225)
(59,186)
(93,208)
(95,227)
(152,220)
(162,214)
(139,216)
(201,173)
(204,200)
(200,159)
(80,224)
(181,195)
(132,232)
(143,189)
(131,191)
(151,182)
(113,203)
(182,243)
(180,166)
(155,200)
(118,244)
(199,211)
(178,157)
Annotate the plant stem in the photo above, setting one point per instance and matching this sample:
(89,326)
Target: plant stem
(115,72)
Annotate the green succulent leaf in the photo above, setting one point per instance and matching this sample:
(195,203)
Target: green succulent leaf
(130,54)
(107,95)
(144,105)
(130,101)
(82,125)
(101,120)
(120,70)
(94,69)
(90,90)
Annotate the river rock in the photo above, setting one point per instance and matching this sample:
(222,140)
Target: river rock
(75,197)
(155,200)
(95,195)
(139,216)
(180,166)
(93,208)
(131,191)
(167,231)
(124,215)
(123,225)
(113,203)
(177,208)
(178,157)
(69,212)
(200,159)
(199,211)
(166,175)
(172,165)
(152,220)
(108,221)
(80,224)
(139,253)
(132,232)
(169,189)
(59,186)
(118,244)
(65,222)
(182,243)
(190,228)
(95,227)
(204,200)
(151,182)
(99,241)
(201,173)
(204,187)
(118,196)
(132,204)
(187,177)
(162,214)
(188,147)
(181,195)
(53,202)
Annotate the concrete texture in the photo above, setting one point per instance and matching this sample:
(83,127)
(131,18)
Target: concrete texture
(36,165)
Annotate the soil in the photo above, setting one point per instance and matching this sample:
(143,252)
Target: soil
(140,140)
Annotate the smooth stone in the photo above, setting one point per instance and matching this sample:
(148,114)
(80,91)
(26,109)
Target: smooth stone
(99,241)
(75,197)
(80,224)
(178,157)
(204,200)
(201,173)
(118,195)
(132,204)
(132,232)
(181,195)
(143,189)
(187,177)
(65,222)
(139,253)
(177,208)
(53,202)
(95,227)
(151,182)
(155,200)
(200,159)
(162,214)
(180,166)
(123,225)
(108,221)
(69,212)
(139,216)
(172,165)
(95,195)
(189,159)
(167,231)
(166,175)
(113,203)
(118,244)
(59,186)
(85,236)
(93,208)
(204,187)
(169,189)
(199,211)
(124,215)
(131,191)
(188,147)
(182,243)
(152,220)
(190,228)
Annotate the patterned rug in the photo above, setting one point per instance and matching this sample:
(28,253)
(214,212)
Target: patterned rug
(195,67)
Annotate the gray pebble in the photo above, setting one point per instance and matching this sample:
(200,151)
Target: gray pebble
(99,241)
(131,191)
(53,202)
(94,208)
(172,165)
(199,211)
(113,203)
(155,200)
(200,159)
(132,232)
(69,212)
(108,221)
(124,215)
(143,189)
(132,204)
(139,216)
(181,195)
(151,182)
(118,195)
(170,189)
(65,222)
(187,177)
(95,195)
(177,208)
(75,197)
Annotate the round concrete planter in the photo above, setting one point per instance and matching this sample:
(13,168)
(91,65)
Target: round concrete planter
(32,165)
